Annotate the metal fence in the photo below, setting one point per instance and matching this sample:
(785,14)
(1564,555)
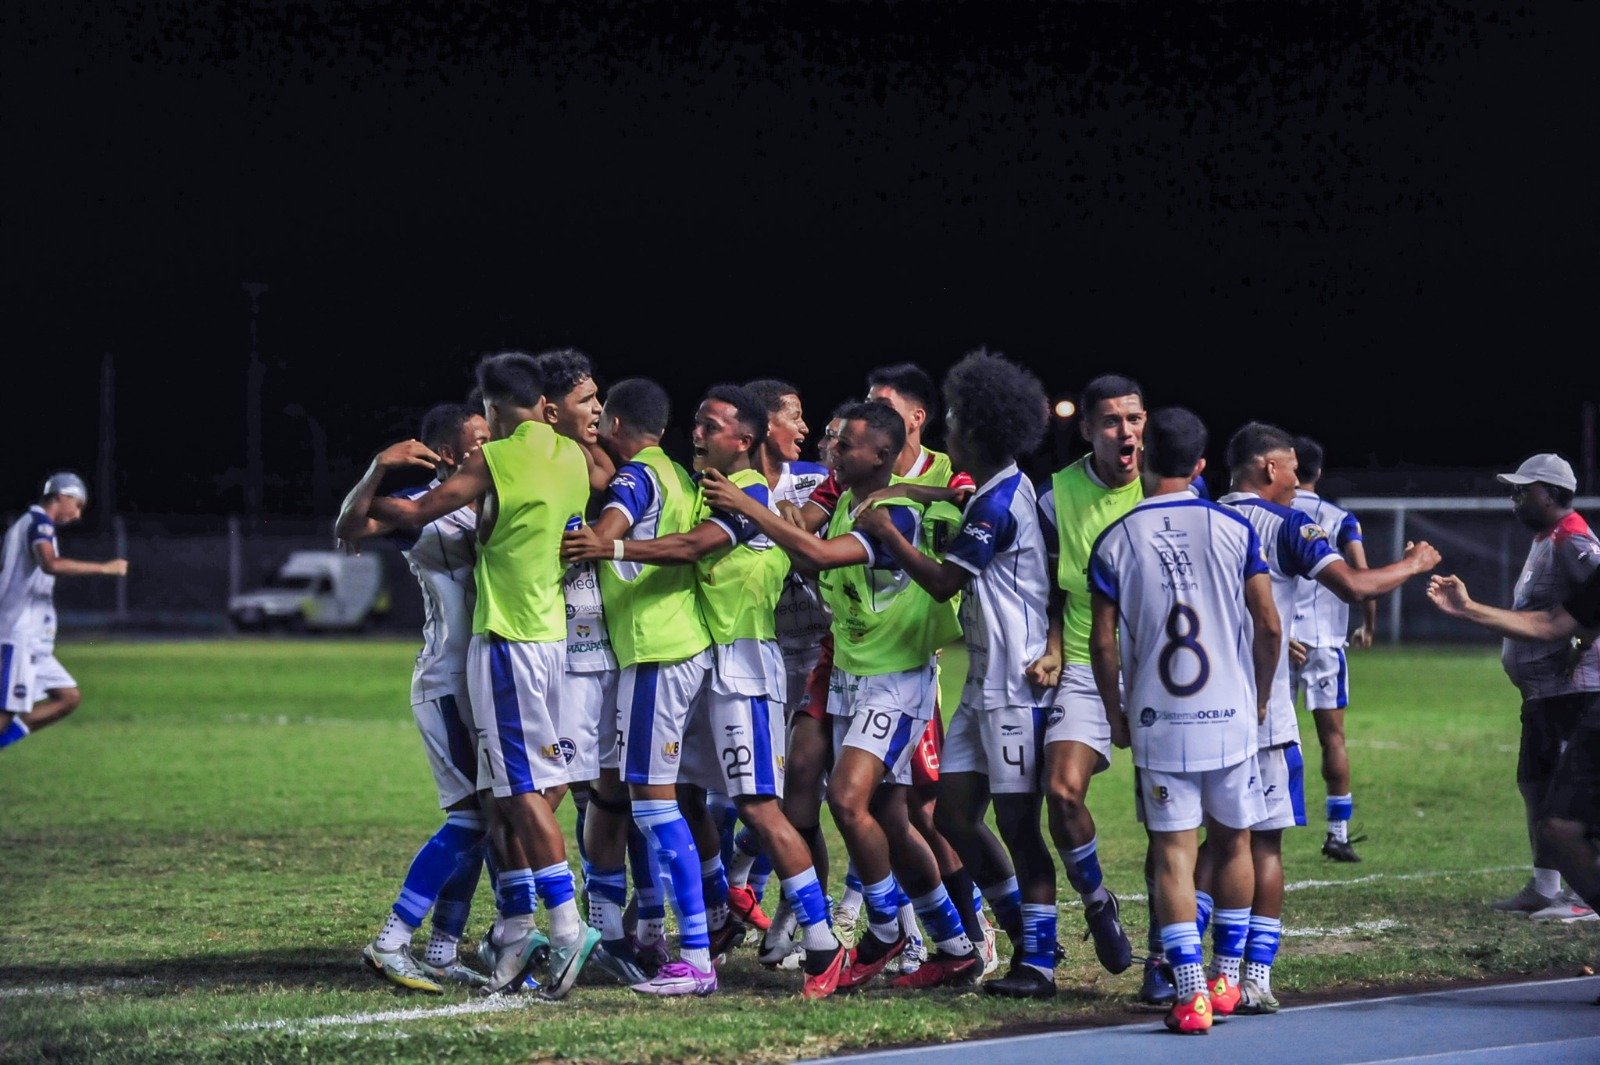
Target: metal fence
(184,568)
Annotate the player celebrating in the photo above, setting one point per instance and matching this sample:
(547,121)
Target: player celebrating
(1263,470)
(444,874)
(1183,616)
(664,651)
(1083,498)
(996,413)
(734,741)
(37,689)
(885,631)
(1318,634)
(532,482)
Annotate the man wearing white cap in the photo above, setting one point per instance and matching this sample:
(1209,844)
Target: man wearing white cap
(35,690)
(1559,679)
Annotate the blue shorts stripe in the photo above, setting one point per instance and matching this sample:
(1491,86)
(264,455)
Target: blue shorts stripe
(463,752)
(641,722)
(761,743)
(6,651)
(902,736)
(1297,781)
(1343,699)
(508,717)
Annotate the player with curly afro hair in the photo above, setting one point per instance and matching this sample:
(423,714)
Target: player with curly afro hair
(997,407)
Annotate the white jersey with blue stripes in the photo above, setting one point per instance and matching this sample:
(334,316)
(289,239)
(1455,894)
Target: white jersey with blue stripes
(1004,616)
(802,617)
(1297,549)
(1322,619)
(441,555)
(27,608)
(1176,567)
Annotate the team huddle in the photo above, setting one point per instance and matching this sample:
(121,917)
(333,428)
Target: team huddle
(702,659)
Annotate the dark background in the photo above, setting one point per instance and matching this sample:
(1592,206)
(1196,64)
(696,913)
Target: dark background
(1374,223)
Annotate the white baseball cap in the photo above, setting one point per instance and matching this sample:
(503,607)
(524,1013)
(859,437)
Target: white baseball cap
(66,484)
(1545,469)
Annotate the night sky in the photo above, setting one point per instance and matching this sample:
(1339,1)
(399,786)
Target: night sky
(1373,223)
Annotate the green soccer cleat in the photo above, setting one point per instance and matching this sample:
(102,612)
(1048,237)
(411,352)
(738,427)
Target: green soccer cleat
(567,962)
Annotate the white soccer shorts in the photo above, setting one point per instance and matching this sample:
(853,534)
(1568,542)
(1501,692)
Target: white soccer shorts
(735,744)
(1177,802)
(653,704)
(884,715)
(1006,745)
(17,676)
(1078,715)
(516,691)
(1282,787)
(450,741)
(588,723)
(1324,681)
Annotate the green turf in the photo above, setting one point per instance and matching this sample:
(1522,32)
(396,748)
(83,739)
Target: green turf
(192,862)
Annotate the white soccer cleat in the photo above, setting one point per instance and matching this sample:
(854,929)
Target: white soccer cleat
(454,972)
(400,967)
(1566,908)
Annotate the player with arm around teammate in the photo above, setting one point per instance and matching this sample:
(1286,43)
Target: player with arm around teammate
(531,483)
(35,689)
(443,876)
(1183,618)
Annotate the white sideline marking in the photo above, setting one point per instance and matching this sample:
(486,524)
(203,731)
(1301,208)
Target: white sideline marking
(1393,745)
(306,719)
(498,1004)
(1382,925)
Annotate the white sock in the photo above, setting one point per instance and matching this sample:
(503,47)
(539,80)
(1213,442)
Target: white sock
(1547,882)
(700,958)
(441,950)
(565,927)
(394,934)
(1261,974)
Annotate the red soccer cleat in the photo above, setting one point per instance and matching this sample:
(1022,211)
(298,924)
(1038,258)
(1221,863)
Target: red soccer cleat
(1224,995)
(747,907)
(825,983)
(1191,1016)
(943,970)
(857,972)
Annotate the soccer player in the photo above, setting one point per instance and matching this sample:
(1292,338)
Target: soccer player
(734,740)
(1557,682)
(663,649)
(997,411)
(35,688)
(531,483)
(886,629)
(1083,498)
(1569,823)
(1184,621)
(1318,634)
(444,873)
(1264,476)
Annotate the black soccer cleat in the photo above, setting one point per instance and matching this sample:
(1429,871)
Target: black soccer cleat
(1340,850)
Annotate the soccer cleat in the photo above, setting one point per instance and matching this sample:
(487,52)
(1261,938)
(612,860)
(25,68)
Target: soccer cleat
(1224,995)
(1340,850)
(616,960)
(1023,981)
(1111,944)
(1157,991)
(679,978)
(400,967)
(650,957)
(568,961)
(913,956)
(512,960)
(943,970)
(724,939)
(824,983)
(1566,908)
(777,943)
(455,973)
(844,923)
(858,972)
(1253,1000)
(745,906)
(1529,900)
(1192,1016)
(990,949)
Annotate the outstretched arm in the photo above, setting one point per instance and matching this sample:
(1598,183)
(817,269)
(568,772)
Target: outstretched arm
(942,578)
(584,544)
(56,566)
(1353,585)
(1449,594)
(802,546)
(1356,554)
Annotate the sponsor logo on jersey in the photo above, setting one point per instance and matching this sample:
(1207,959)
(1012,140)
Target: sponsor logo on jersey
(1010,730)
(733,730)
(981,531)
(550,752)
(1147,716)
(669,751)
(1160,795)
(569,750)
(583,630)
(1056,714)
(1308,531)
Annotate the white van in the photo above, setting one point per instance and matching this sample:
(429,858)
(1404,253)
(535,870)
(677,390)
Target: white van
(323,590)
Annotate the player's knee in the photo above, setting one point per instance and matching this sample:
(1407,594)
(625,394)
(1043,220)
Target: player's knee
(1065,797)
(70,698)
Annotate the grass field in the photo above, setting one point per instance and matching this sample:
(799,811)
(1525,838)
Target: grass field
(191,864)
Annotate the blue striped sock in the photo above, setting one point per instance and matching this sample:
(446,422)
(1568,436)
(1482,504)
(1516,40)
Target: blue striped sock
(646,873)
(1083,867)
(882,903)
(1262,949)
(454,905)
(459,840)
(1181,942)
(1229,930)
(1203,905)
(517,891)
(1039,935)
(663,822)
(943,921)
(1005,898)
(13,733)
